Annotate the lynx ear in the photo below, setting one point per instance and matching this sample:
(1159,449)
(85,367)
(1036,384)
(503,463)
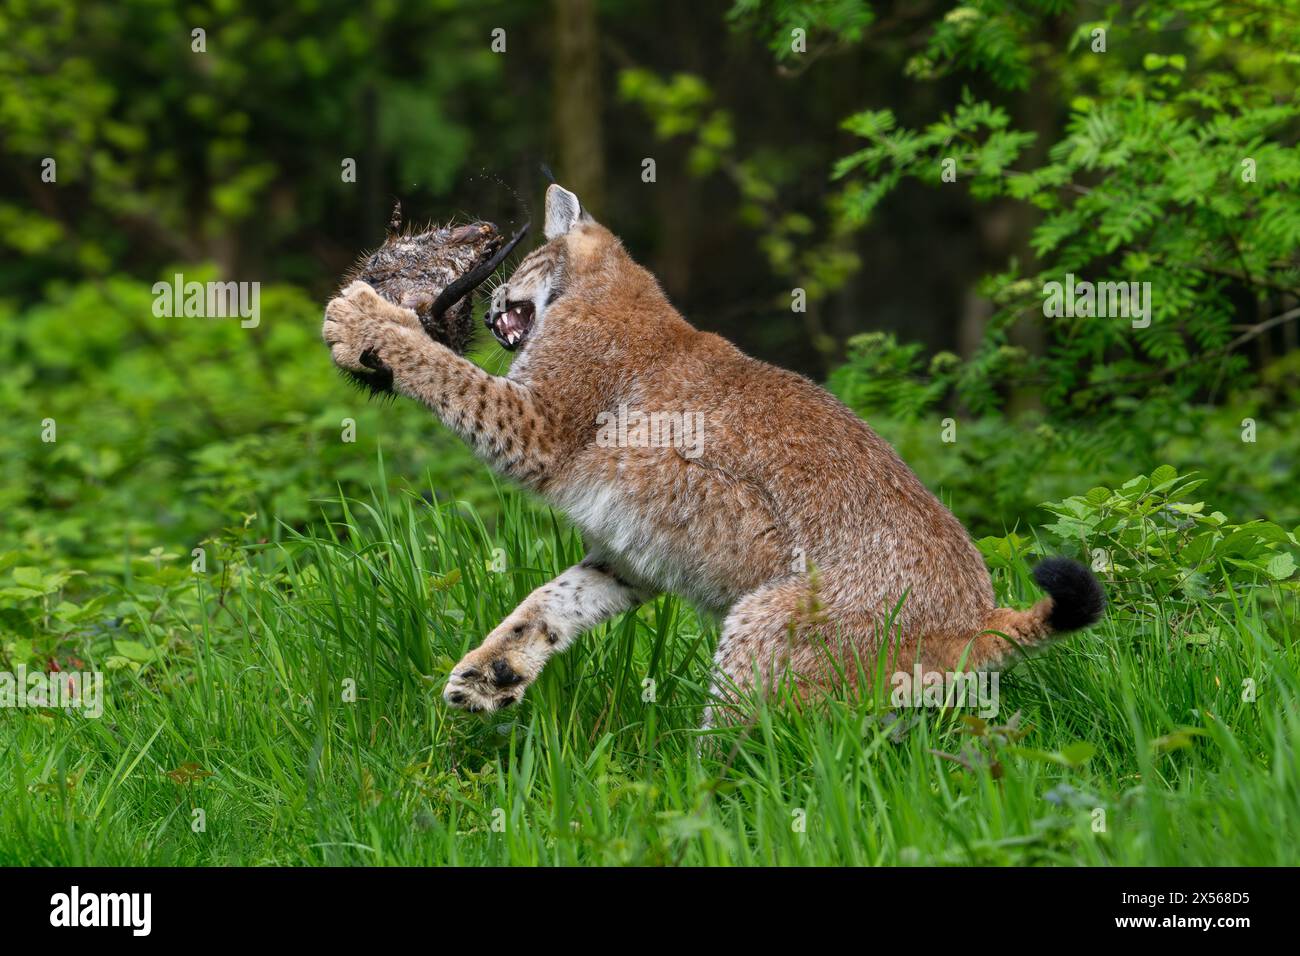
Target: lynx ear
(563,211)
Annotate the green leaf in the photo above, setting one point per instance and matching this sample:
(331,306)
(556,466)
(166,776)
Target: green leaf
(1078,753)
(28,577)
(1163,476)
(1280,567)
(21,594)
(134,651)
(1098,496)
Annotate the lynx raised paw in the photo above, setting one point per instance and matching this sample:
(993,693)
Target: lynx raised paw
(361,324)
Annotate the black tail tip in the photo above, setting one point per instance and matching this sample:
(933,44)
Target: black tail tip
(1077,597)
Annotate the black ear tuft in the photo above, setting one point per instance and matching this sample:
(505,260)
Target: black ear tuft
(1077,597)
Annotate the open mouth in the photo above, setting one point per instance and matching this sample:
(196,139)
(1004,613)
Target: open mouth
(512,326)
(471,280)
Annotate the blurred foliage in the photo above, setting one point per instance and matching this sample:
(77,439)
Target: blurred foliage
(994,470)
(135,432)
(165,149)
(817,266)
(1177,166)
(1163,151)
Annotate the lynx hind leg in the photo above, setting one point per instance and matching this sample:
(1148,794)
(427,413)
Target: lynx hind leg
(774,632)
(496,673)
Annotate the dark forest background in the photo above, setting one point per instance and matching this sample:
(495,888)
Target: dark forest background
(233,156)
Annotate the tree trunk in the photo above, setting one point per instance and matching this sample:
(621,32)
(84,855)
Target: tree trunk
(576,71)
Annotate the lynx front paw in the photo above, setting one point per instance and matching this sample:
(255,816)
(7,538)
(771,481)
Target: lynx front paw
(496,673)
(361,327)
(485,680)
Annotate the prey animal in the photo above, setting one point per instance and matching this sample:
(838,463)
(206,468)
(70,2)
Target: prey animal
(788,517)
(432,272)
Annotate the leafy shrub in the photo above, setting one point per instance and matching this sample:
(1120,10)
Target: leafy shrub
(1175,166)
(1162,553)
(998,468)
(165,430)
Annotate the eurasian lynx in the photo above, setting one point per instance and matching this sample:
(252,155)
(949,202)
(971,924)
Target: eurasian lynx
(693,468)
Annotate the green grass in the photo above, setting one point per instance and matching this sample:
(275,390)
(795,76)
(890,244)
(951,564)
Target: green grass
(248,684)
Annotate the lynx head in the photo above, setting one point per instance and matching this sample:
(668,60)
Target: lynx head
(575,245)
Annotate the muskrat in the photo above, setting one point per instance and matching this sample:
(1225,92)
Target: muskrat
(432,272)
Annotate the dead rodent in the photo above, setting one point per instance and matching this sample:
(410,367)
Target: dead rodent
(434,273)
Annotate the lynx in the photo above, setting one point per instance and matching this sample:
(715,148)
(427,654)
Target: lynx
(792,520)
